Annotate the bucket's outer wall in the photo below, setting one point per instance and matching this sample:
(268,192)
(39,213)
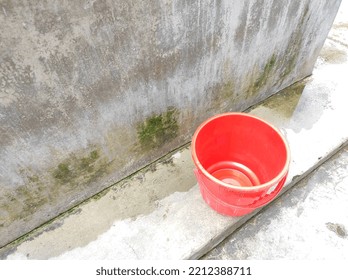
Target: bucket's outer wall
(91,91)
(228,139)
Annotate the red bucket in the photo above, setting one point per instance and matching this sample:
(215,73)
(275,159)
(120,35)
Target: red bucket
(241,162)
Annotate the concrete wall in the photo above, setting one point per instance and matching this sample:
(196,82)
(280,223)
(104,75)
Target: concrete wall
(91,91)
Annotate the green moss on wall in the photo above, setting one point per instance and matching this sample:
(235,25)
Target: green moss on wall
(266,73)
(259,78)
(73,174)
(62,173)
(156,130)
(86,163)
(80,170)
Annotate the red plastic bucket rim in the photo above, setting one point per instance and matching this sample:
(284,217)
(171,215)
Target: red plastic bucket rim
(268,184)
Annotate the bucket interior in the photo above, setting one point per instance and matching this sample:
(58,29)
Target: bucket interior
(240,150)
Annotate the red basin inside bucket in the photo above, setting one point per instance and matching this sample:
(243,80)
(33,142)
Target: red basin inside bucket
(241,162)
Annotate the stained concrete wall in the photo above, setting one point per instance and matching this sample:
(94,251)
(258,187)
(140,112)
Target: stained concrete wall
(91,91)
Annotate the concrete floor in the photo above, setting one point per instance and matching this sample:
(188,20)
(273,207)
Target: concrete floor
(158,213)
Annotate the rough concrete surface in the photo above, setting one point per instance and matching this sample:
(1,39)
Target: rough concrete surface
(167,218)
(308,222)
(91,91)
